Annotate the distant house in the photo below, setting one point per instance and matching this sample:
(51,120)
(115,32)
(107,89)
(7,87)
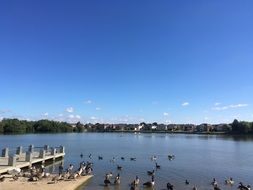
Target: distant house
(204,127)
(222,127)
(162,127)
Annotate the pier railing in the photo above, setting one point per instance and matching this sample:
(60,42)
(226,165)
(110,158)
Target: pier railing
(25,156)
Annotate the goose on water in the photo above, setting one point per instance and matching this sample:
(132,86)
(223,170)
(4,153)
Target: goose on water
(150,183)
(170,186)
(230,181)
(157,166)
(117,180)
(243,187)
(187,182)
(119,167)
(151,172)
(135,182)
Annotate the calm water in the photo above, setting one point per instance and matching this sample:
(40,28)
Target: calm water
(199,158)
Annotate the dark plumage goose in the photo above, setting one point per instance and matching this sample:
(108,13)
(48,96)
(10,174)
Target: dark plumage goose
(107,181)
(216,188)
(170,186)
(187,182)
(117,180)
(230,181)
(151,172)
(136,181)
(122,158)
(100,158)
(157,166)
(133,159)
(243,187)
(194,188)
(214,182)
(119,167)
(150,183)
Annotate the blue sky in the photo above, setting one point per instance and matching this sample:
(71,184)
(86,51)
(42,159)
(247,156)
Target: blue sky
(127,61)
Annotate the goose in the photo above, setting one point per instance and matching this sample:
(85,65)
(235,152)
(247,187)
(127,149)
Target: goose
(107,181)
(187,182)
(151,172)
(153,158)
(170,186)
(119,167)
(214,182)
(133,159)
(171,157)
(117,180)
(230,181)
(136,181)
(122,158)
(2,179)
(216,188)
(100,158)
(194,188)
(81,155)
(108,175)
(150,183)
(243,187)
(90,156)
(157,166)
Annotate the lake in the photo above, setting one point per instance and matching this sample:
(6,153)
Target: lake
(198,158)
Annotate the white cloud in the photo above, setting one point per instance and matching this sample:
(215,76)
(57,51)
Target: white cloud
(93,118)
(98,108)
(88,102)
(168,121)
(206,118)
(252,115)
(165,114)
(185,104)
(46,114)
(78,117)
(229,107)
(70,110)
(71,116)
(60,115)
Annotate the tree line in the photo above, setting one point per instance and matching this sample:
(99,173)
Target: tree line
(15,126)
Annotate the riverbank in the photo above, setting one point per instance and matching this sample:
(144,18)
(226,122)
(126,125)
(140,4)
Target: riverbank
(44,184)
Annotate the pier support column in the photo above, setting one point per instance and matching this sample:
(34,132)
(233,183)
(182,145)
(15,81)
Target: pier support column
(46,148)
(5,152)
(62,149)
(12,160)
(28,156)
(19,150)
(31,148)
(53,151)
(42,154)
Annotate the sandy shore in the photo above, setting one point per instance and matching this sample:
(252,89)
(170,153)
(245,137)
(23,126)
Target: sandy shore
(22,183)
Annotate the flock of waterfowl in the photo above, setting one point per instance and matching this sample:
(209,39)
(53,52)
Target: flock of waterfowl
(135,184)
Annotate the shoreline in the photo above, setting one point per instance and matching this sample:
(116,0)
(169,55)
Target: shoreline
(45,184)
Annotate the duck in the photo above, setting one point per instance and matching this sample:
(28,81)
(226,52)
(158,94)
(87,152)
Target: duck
(157,166)
(214,182)
(117,180)
(119,167)
(170,186)
(243,187)
(230,181)
(150,183)
(187,182)
(151,172)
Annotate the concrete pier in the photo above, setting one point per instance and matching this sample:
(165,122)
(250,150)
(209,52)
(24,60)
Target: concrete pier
(22,158)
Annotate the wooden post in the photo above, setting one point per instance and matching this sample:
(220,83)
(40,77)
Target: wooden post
(42,154)
(31,148)
(5,152)
(53,151)
(46,148)
(62,149)
(12,160)
(28,156)
(19,150)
